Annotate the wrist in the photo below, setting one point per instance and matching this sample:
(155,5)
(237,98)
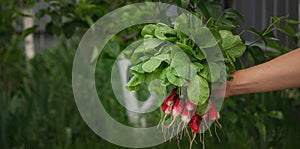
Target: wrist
(240,84)
(228,92)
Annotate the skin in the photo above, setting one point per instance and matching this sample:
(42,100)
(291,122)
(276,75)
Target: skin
(280,73)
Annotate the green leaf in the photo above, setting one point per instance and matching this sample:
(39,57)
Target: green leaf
(138,68)
(211,74)
(275,20)
(21,14)
(163,57)
(69,29)
(29,30)
(187,49)
(257,54)
(203,9)
(89,20)
(185,3)
(152,43)
(200,56)
(276,115)
(177,81)
(292,21)
(205,37)
(112,48)
(228,40)
(151,65)
(155,75)
(232,44)
(182,23)
(261,127)
(277,46)
(198,66)
(214,54)
(158,87)
(205,72)
(198,90)
(215,72)
(202,109)
(135,82)
(216,35)
(142,54)
(193,90)
(95,54)
(148,36)
(233,14)
(183,66)
(163,31)
(289,31)
(148,30)
(236,51)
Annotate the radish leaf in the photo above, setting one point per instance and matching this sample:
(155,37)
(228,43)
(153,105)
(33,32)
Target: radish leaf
(198,90)
(151,65)
(175,80)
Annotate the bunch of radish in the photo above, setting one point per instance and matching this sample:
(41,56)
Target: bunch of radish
(185,111)
(175,56)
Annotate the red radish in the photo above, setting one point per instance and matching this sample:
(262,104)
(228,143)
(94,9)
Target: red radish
(213,113)
(195,126)
(205,117)
(185,116)
(168,111)
(195,123)
(164,106)
(171,98)
(190,106)
(185,119)
(168,104)
(178,107)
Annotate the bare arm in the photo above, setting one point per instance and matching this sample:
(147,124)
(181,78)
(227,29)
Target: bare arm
(280,73)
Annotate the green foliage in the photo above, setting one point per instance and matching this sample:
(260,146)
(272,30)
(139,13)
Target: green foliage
(37,107)
(178,59)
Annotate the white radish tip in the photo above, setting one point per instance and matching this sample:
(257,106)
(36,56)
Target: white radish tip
(168,110)
(190,106)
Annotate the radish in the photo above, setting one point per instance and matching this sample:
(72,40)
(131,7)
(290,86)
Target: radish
(168,111)
(167,105)
(185,119)
(164,106)
(195,123)
(177,109)
(185,116)
(171,98)
(195,126)
(213,113)
(190,106)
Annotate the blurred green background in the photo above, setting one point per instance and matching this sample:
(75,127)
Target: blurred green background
(37,107)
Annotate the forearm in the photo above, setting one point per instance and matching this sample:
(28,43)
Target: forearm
(280,73)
